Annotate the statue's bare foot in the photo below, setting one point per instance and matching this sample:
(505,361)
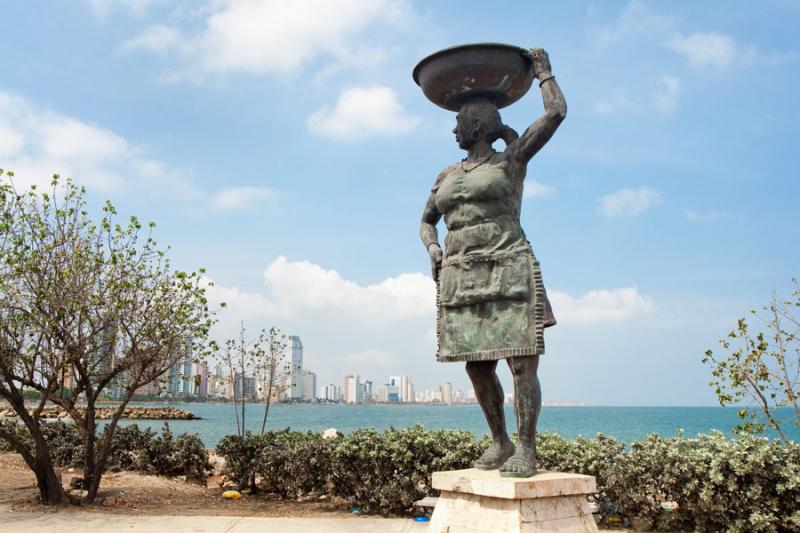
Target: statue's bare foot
(520,464)
(496,455)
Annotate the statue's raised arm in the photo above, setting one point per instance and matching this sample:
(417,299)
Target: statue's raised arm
(555,109)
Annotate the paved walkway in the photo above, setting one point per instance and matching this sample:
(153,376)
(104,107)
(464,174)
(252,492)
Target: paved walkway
(68,521)
(75,520)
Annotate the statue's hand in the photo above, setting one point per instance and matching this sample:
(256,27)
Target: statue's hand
(541,62)
(435,253)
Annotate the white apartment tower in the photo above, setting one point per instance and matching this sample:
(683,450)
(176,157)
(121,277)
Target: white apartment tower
(309,385)
(330,393)
(353,391)
(296,368)
(406,390)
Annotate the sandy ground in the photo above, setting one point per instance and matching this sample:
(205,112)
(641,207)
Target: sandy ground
(131,493)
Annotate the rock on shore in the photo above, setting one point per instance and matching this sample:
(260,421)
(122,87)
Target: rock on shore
(106,413)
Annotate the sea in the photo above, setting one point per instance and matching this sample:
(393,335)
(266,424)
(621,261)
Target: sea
(627,424)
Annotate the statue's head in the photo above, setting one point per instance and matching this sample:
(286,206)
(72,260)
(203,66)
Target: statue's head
(476,120)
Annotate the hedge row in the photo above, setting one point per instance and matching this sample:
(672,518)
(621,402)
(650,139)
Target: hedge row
(132,449)
(744,484)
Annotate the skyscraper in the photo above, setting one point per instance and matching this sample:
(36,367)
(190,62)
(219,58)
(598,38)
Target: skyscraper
(180,373)
(309,385)
(329,393)
(296,368)
(444,392)
(406,390)
(353,391)
(393,389)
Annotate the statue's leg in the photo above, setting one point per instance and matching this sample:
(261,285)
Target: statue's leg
(490,397)
(527,404)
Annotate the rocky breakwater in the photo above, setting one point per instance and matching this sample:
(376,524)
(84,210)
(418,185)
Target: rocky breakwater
(106,413)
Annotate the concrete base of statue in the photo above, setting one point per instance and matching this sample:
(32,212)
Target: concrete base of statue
(478,501)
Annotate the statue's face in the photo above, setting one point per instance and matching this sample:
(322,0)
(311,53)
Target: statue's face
(463,131)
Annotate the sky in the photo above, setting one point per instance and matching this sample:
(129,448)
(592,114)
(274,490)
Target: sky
(285,147)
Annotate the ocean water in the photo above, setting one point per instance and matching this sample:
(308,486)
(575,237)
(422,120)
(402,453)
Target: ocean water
(624,423)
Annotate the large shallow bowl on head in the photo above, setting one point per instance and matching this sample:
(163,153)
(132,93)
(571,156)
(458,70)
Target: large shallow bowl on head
(499,72)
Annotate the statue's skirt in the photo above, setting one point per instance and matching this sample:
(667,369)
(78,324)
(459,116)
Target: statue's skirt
(491,307)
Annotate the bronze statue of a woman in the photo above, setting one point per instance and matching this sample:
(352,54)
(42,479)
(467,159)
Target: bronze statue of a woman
(492,304)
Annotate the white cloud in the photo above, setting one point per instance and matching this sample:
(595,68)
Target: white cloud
(614,103)
(635,19)
(628,202)
(36,142)
(267,37)
(535,189)
(299,287)
(383,328)
(706,49)
(665,98)
(155,39)
(11,141)
(600,306)
(363,112)
(242,197)
(45,142)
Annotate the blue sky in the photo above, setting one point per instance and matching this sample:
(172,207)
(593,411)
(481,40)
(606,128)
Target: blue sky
(284,147)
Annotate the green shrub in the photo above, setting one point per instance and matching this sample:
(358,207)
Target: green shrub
(64,441)
(241,457)
(132,449)
(593,457)
(18,430)
(184,456)
(387,472)
(292,463)
(747,484)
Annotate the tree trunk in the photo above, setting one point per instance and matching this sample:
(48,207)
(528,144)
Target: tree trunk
(91,476)
(38,459)
(51,491)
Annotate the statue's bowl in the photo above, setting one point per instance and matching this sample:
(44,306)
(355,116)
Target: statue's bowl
(498,72)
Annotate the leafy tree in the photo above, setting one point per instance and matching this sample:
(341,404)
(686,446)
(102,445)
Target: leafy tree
(84,308)
(763,366)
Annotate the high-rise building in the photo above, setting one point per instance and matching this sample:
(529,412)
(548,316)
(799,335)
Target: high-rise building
(366,390)
(393,390)
(444,392)
(397,390)
(200,379)
(244,386)
(353,391)
(295,368)
(180,373)
(309,385)
(379,395)
(330,393)
(406,390)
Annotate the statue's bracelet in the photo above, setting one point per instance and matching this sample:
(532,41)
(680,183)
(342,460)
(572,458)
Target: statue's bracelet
(550,77)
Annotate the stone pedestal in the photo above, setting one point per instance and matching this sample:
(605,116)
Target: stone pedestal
(481,501)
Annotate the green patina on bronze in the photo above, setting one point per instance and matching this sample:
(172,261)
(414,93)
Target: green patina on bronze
(491,297)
